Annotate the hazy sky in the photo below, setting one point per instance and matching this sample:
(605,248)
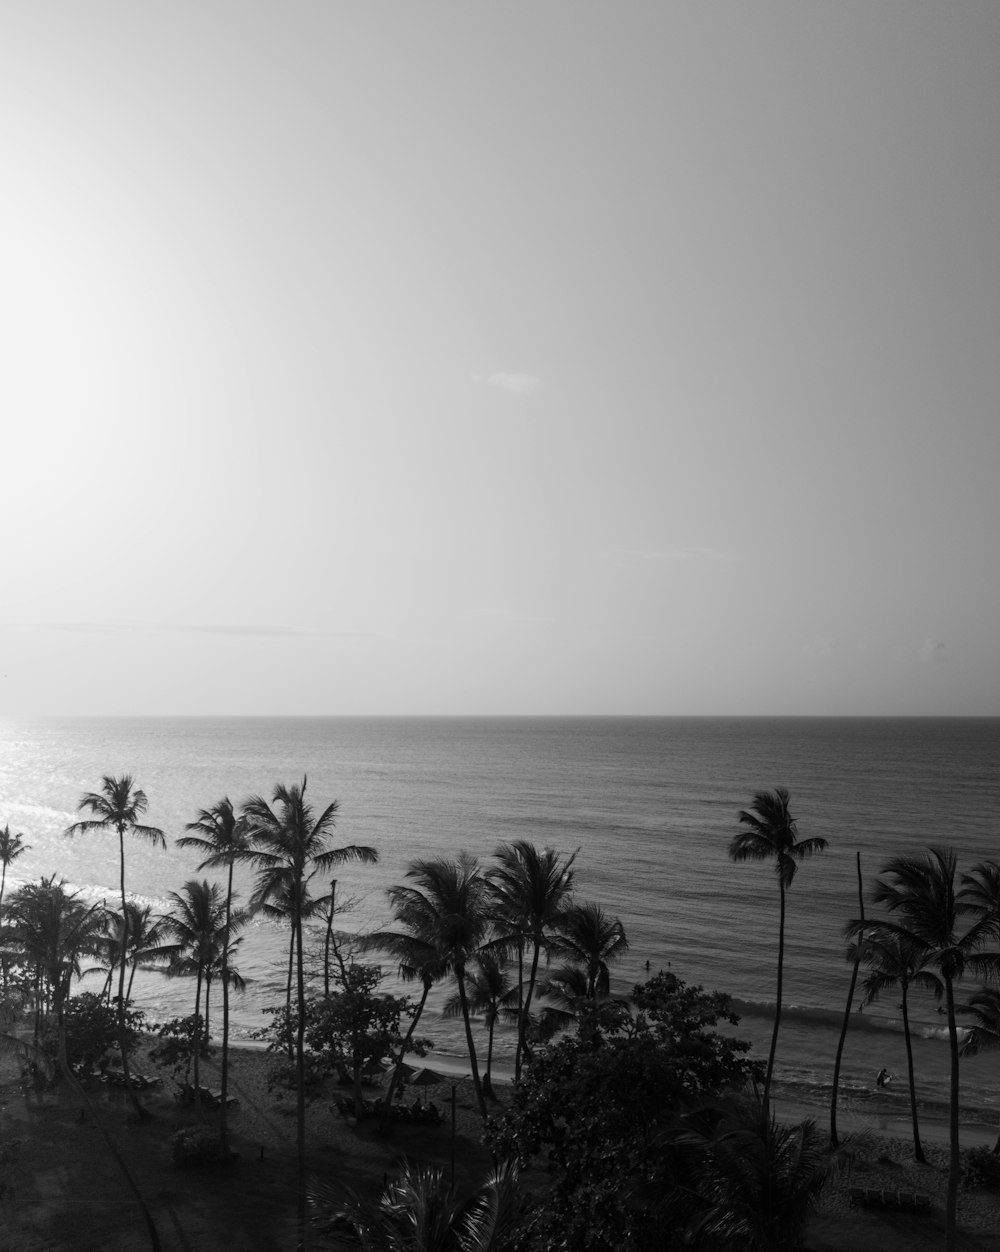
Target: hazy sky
(500,358)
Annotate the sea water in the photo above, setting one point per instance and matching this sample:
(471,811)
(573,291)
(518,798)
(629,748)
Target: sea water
(648,804)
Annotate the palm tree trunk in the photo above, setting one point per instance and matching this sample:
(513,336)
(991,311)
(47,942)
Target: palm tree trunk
(122,1041)
(777,1007)
(834,1141)
(223,1112)
(918,1150)
(522,1025)
(300,1073)
(954,1163)
(397,1073)
(197,1039)
(488,1079)
(288,992)
(464,1001)
(329,933)
(520,1006)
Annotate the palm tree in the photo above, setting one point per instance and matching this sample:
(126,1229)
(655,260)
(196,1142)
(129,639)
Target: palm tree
(222,836)
(982,888)
(118,806)
(588,937)
(143,940)
(934,916)
(529,890)
(493,994)
(854,955)
(11,847)
(896,963)
(771,834)
(290,847)
(448,907)
(419,1212)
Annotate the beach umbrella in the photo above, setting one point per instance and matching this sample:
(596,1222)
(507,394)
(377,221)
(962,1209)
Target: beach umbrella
(424,1076)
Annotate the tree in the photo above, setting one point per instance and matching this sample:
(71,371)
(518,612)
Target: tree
(529,889)
(11,847)
(118,806)
(588,937)
(290,847)
(770,833)
(493,994)
(982,889)
(222,837)
(447,906)
(419,1212)
(600,1109)
(854,955)
(947,929)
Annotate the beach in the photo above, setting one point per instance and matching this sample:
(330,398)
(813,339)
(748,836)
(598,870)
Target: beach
(61,1188)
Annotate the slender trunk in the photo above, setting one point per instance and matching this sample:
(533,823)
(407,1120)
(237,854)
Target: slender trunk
(223,1113)
(835,1142)
(464,1001)
(777,1007)
(522,1025)
(197,1039)
(954,1163)
(131,978)
(288,993)
(106,989)
(520,1005)
(122,1040)
(488,1079)
(329,934)
(300,1072)
(918,1150)
(397,1072)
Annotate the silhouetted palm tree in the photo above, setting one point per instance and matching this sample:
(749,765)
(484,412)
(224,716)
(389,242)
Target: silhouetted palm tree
(118,806)
(771,834)
(589,937)
(448,907)
(11,847)
(947,929)
(492,993)
(982,889)
(222,837)
(290,847)
(530,890)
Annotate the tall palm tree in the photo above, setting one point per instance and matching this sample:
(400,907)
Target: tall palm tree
(948,929)
(589,937)
(530,890)
(118,806)
(982,888)
(11,847)
(222,836)
(290,847)
(448,906)
(494,994)
(770,834)
(895,963)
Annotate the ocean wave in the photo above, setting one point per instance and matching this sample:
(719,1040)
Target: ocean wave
(832,1019)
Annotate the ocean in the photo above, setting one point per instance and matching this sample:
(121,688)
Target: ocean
(649,803)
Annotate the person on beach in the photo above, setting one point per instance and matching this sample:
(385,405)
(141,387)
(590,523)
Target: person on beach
(883,1078)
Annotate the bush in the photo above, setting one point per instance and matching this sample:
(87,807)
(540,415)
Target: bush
(194,1147)
(980,1168)
(176,1045)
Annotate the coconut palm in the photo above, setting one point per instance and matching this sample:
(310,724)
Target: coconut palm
(118,806)
(11,847)
(419,1212)
(948,929)
(529,891)
(589,937)
(982,888)
(290,848)
(222,837)
(447,905)
(492,993)
(143,940)
(770,834)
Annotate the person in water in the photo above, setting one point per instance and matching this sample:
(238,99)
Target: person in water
(883,1078)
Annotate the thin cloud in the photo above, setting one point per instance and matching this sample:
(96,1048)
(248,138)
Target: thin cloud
(242,631)
(515,384)
(677,554)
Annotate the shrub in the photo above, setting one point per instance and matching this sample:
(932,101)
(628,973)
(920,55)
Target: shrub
(980,1168)
(194,1147)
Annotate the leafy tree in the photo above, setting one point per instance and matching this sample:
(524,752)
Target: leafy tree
(290,847)
(599,1110)
(586,936)
(11,847)
(419,1212)
(770,834)
(91,1028)
(118,806)
(529,890)
(947,928)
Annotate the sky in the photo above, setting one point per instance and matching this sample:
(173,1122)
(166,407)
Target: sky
(576,358)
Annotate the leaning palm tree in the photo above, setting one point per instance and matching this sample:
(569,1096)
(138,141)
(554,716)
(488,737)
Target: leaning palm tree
(222,836)
(446,903)
(529,891)
(419,1212)
(948,929)
(589,937)
(290,847)
(982,888)
(118,806)
(770,834)
(11,847)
